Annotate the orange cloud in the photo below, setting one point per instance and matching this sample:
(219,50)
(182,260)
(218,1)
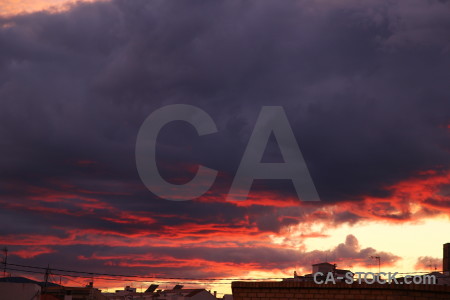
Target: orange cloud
(13,7)
(428,263)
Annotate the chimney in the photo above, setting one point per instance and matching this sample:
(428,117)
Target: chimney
(446,262)
(215,294)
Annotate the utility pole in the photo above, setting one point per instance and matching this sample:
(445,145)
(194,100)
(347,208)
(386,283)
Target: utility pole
(5,261)
(47,273)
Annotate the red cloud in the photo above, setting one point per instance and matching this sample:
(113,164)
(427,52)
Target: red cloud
(410,200)
(31,252)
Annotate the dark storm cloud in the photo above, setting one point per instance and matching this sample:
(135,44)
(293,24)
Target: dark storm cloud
(364,84)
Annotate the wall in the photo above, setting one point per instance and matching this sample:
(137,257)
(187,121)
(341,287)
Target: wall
(309,290)
(19,291)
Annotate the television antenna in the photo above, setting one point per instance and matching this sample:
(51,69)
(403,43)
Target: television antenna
(379,262)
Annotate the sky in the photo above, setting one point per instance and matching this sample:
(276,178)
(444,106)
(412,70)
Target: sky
(364,85)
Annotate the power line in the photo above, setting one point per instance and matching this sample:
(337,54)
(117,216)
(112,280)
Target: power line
(67,277)
(113,279)
(139,278)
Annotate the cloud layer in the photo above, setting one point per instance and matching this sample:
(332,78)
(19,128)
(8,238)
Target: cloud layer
(364,85)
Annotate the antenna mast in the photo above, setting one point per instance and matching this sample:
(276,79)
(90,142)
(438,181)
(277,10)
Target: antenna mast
(5,261)
(379,262)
